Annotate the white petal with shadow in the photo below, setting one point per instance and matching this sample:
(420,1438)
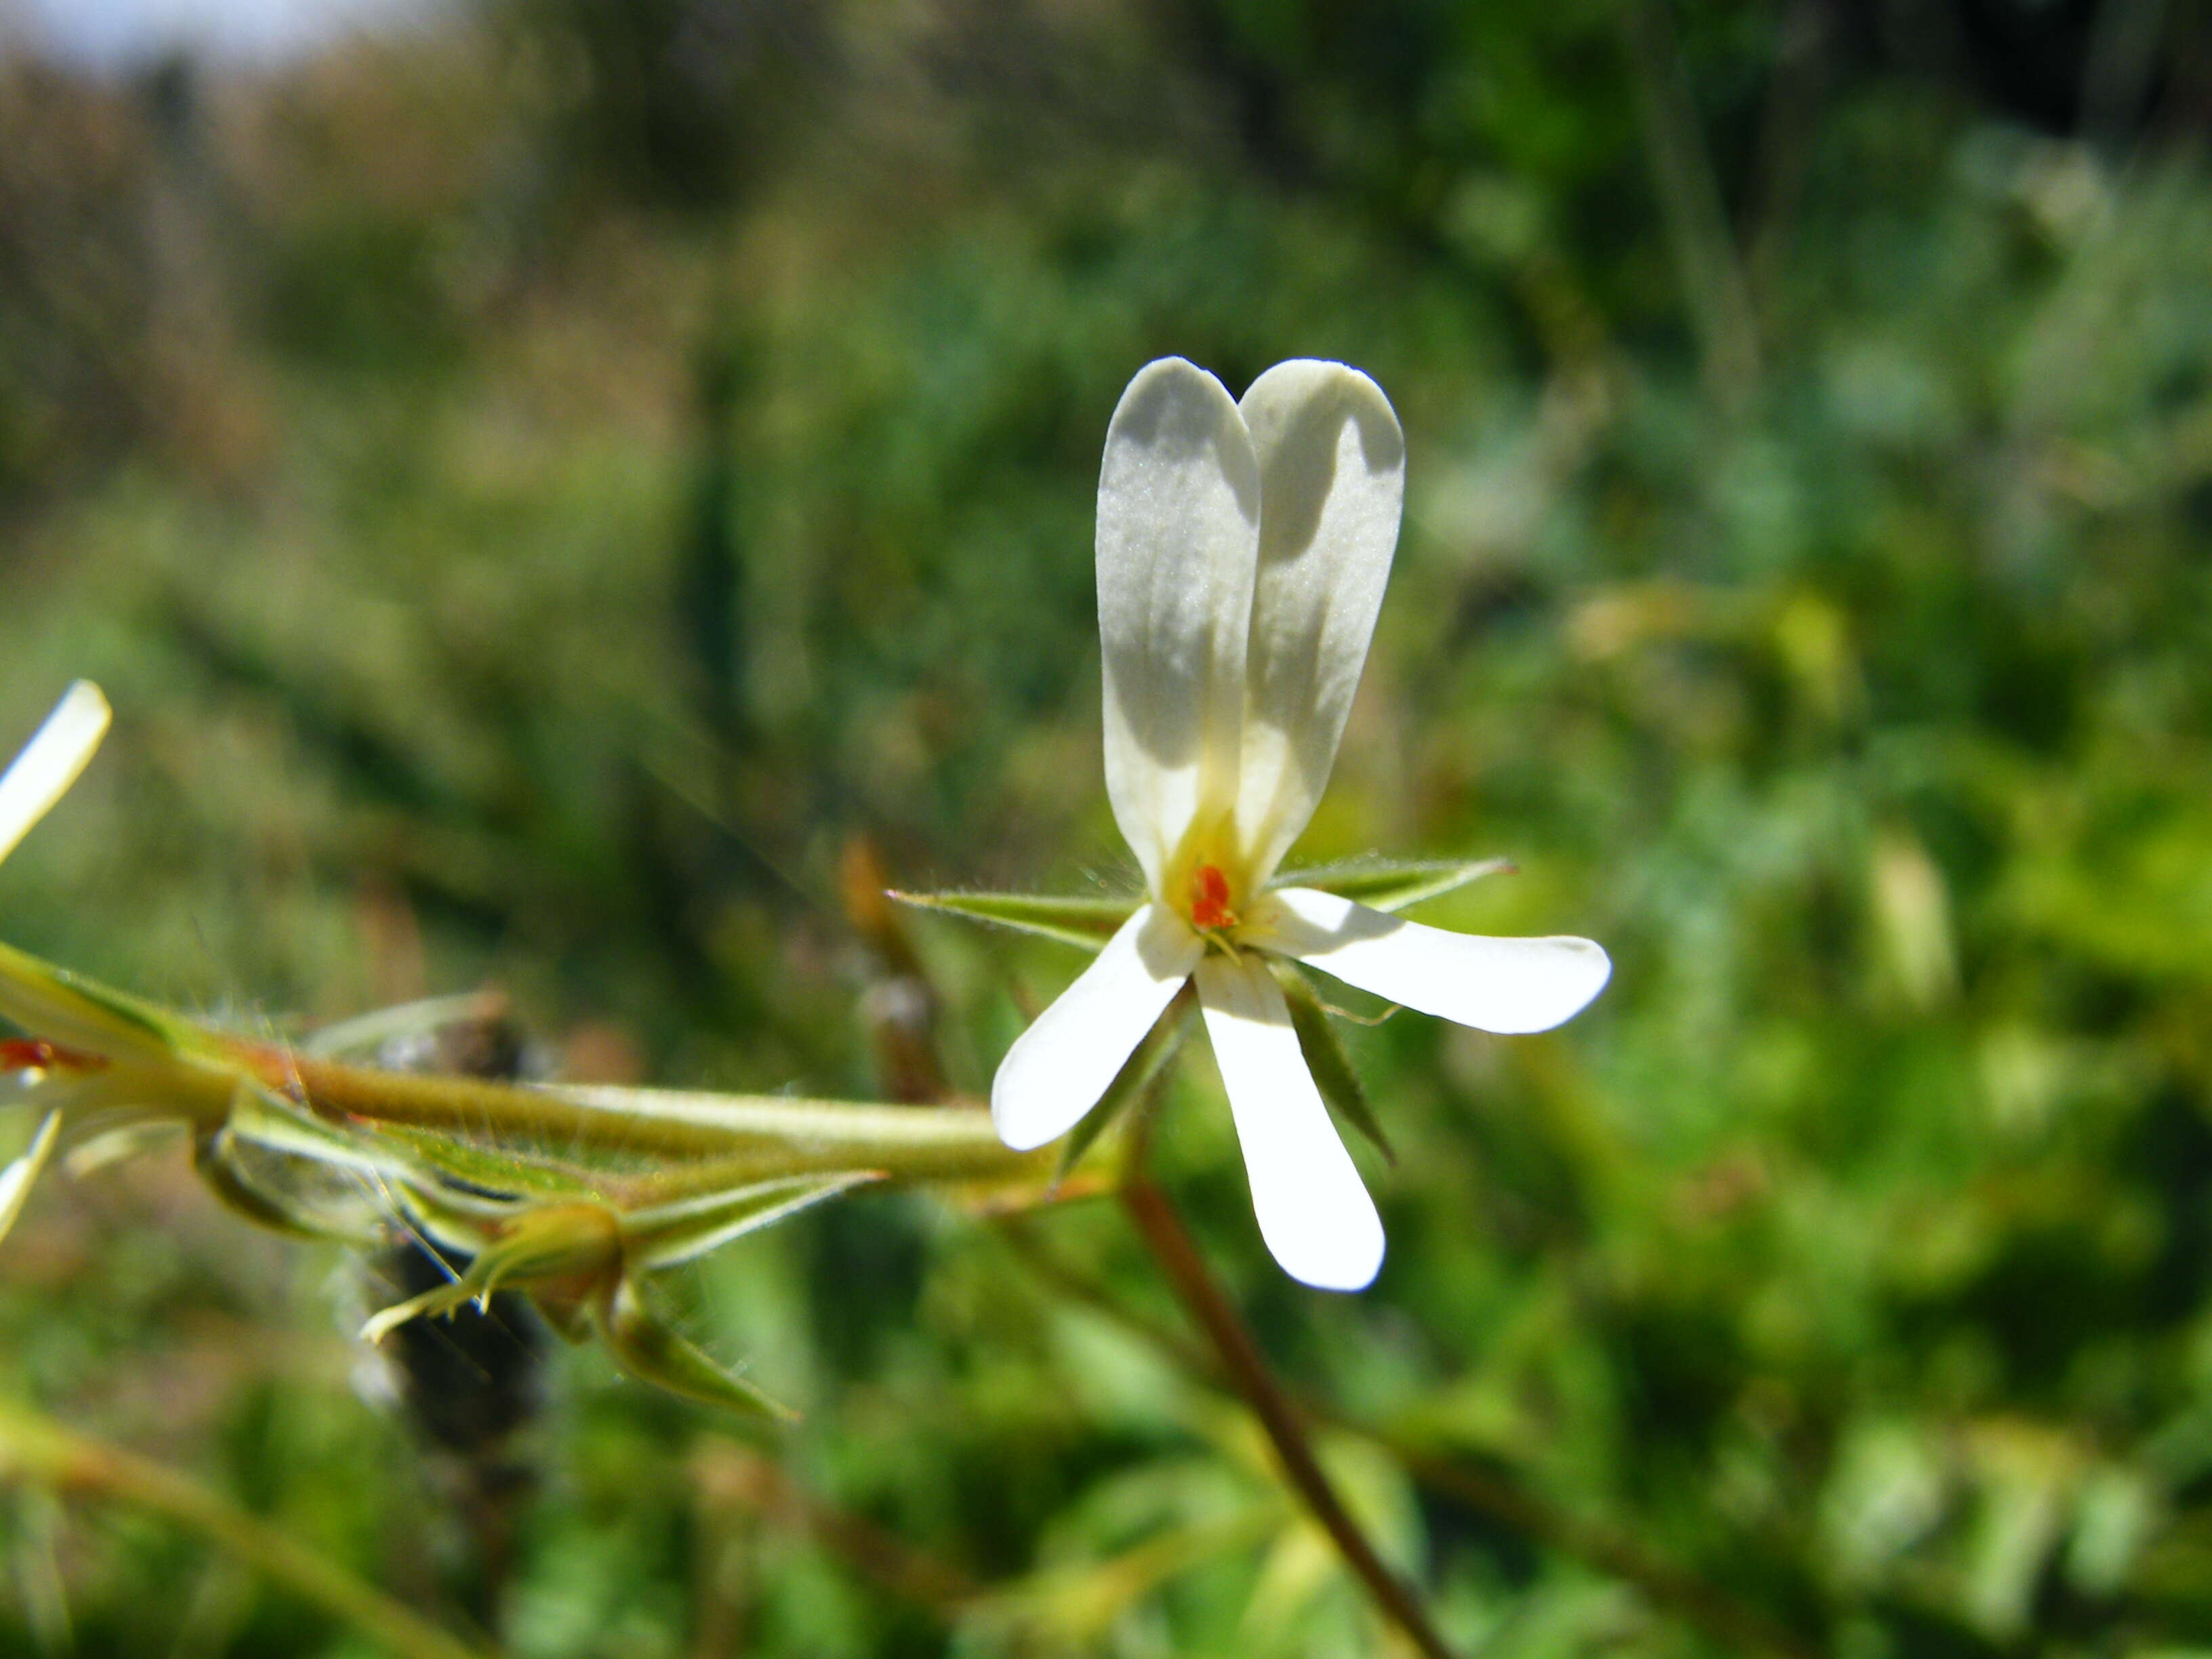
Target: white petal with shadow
(1332,482)
(1511,986)
(1059,1067)
(1313,1209)
(1178,541)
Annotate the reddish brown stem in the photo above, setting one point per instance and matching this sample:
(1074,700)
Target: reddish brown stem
(1248,1372)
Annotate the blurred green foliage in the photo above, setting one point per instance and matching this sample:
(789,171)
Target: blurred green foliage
(545,492)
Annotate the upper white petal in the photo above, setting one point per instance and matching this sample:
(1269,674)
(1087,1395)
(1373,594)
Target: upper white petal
(1313,1209)
(1509,984)
(1332,480)
(51,761)
(1058,1068)
(1178,540)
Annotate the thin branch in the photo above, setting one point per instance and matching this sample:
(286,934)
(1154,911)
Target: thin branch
(1703,1606)
(1803,47)
(1241,1358)
(1705,258)
(35,1448)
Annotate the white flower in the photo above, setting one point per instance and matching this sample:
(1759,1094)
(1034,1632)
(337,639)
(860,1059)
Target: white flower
(1242,551)
(33,781)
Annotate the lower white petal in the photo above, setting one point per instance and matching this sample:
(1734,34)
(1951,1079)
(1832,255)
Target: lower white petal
(1058,1068)
(1314,1210)
(50,762)
(1507,985)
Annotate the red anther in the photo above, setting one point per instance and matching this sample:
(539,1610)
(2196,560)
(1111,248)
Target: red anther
(37,1054)
(1209,899)
(26,1054)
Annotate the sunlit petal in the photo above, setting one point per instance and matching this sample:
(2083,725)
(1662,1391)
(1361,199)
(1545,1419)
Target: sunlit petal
(1058,1068)
(17,1178)
(1313,1209)
(1332,479)
(51,761)
(1178,539)
(1507,985)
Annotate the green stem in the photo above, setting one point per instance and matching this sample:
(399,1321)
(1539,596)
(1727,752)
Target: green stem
(946,1143)
(35,1448)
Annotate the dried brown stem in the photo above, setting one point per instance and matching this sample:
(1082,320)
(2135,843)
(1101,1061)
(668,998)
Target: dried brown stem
(1248,1372)
(1703,1606)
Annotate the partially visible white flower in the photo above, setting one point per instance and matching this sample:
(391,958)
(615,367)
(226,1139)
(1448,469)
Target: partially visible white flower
(33,781)
(1242,551)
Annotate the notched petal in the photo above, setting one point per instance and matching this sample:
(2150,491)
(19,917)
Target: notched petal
(1179,506)
(1333,474)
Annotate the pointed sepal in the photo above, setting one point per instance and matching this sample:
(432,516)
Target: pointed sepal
(1323,1049)
(650,1349)
(668,1235)
(1393,885)
(1085,923)
(1130,1084)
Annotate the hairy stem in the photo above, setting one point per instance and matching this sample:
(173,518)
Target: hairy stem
(1248,1372)
(35,1448)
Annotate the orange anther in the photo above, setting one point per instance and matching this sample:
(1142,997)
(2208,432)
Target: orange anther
(37,1054)
(1209,899)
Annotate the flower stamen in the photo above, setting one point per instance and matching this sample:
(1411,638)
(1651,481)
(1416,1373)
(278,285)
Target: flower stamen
(1209,900)
(37,1054)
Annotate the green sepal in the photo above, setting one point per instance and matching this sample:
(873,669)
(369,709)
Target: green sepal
(277,1165)
(1393,884)
(1323,1049)
(271,1196)
(511,1169)
(1085,923)
(566,1241)
(1130,1084)
(648,1347)
(666,1235)
(76,1012)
